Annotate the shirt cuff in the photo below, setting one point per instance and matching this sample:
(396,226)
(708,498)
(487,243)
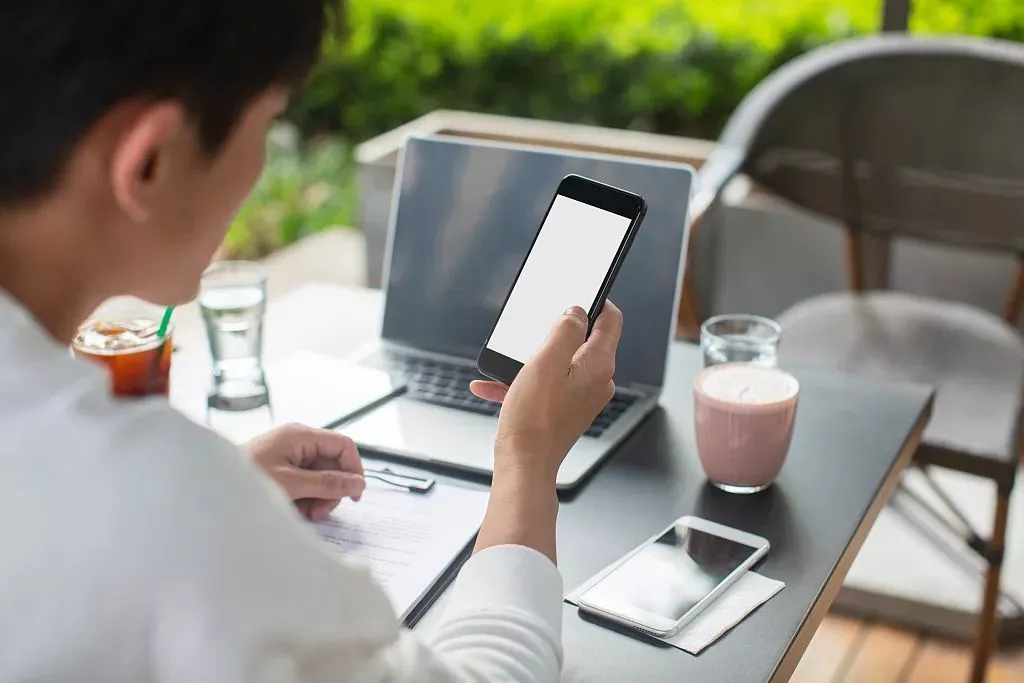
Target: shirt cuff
(506,577)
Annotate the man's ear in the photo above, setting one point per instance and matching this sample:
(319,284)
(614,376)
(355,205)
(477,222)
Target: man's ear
(142,154)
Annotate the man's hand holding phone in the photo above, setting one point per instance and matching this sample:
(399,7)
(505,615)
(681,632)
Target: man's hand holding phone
(558,393)
(552,401)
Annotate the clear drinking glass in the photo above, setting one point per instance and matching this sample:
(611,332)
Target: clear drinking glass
(740,338)
(233,299)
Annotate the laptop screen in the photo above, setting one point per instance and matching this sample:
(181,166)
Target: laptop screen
(465,217)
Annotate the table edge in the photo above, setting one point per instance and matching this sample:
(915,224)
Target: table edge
(798,645)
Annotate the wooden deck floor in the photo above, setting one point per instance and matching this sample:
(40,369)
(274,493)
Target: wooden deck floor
(848,651)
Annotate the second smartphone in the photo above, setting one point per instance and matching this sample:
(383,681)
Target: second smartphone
(575,256)
(666,582)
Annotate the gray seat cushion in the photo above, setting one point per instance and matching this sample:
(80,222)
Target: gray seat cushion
(973,359)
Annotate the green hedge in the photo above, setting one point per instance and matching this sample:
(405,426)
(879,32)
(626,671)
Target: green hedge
(306,186)
(669,66)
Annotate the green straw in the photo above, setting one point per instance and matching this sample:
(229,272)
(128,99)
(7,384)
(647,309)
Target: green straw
(162,332)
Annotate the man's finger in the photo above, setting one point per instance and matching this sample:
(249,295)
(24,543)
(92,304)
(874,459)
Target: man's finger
(320,509)
(565,338)
(488,391)
(333,447)
(323,484)
(305,506)
(607,329)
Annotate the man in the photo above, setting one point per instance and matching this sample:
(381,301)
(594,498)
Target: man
(134,545)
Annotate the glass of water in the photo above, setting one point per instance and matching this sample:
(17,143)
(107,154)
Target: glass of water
(740,338)
(233,298)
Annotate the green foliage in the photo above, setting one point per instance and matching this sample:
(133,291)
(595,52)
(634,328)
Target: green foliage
(670,66)
(305,187)
(995,18)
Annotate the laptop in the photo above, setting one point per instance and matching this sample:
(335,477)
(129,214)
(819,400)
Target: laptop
(464,214)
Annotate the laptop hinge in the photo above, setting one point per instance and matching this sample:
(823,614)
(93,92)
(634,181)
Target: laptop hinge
(638,389)
(412,350)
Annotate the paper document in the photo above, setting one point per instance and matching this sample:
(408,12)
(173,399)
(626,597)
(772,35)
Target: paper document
(407,540)
(306,388)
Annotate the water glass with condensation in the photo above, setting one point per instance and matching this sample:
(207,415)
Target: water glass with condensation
(233,299)
(740,338)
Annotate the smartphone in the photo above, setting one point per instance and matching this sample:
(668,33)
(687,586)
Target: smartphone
(577,252)
(666,582)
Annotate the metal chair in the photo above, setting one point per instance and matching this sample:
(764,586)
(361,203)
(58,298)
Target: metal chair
(922,138)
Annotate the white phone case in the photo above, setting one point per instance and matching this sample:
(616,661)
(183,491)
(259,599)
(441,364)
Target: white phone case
(655,626)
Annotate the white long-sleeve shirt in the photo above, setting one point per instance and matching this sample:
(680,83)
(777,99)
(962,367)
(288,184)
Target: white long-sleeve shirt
(137,546)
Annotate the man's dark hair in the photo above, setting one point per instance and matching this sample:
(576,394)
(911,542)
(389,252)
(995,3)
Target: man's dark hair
(65,63)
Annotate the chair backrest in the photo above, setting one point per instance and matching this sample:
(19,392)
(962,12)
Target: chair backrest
(896,135)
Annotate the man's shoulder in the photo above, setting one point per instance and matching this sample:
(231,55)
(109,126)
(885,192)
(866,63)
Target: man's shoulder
(67,437)
(118,490)
(75,419)
(171,466)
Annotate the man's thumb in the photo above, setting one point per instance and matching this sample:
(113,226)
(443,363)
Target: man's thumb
(565,338)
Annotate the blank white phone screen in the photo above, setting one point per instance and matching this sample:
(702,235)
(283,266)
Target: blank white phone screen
(569,260)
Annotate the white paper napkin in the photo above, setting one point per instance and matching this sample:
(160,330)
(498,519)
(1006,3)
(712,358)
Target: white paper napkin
(748,593)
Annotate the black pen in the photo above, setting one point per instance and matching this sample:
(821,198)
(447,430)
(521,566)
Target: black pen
(408,482)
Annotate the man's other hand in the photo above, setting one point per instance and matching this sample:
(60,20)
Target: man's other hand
(316,468)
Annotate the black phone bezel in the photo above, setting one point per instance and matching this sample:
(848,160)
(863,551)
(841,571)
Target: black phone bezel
(499,367)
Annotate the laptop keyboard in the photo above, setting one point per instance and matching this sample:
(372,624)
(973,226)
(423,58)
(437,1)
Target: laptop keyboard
(611,412)
(447,384)
(441,383)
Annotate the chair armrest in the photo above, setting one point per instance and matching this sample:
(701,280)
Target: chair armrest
(721,167)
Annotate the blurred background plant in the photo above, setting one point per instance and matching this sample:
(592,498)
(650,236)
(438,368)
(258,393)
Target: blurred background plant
(307,185)
(668,66)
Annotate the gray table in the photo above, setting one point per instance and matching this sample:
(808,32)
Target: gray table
(852,440)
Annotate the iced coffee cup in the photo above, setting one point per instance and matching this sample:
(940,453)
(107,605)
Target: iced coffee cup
(137,359)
